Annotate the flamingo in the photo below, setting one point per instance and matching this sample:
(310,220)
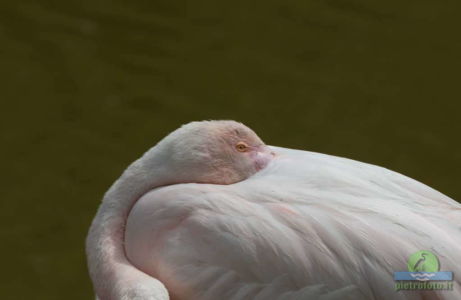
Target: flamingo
(213,213)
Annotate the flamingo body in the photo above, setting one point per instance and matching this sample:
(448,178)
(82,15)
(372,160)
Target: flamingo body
(306,226)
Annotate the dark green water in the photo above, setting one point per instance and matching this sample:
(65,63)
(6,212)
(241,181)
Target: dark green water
(87,86)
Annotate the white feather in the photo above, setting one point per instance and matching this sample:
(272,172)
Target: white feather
(308,226)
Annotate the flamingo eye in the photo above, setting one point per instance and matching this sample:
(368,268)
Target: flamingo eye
(241,147)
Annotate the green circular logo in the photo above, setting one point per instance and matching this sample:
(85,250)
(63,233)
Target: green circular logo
(423,261)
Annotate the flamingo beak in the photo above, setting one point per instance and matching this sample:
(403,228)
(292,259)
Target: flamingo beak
(262,156)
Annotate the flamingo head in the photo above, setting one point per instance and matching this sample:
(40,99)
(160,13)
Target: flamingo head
(217,152)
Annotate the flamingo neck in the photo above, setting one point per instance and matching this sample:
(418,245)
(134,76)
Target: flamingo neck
(108,266)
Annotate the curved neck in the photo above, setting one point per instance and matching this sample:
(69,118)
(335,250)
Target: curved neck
(107,261)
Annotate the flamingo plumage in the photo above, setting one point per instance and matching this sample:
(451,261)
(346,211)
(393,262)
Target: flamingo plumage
(197,217)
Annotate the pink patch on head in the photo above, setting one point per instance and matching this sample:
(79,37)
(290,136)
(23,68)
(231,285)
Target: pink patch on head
(262,157)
